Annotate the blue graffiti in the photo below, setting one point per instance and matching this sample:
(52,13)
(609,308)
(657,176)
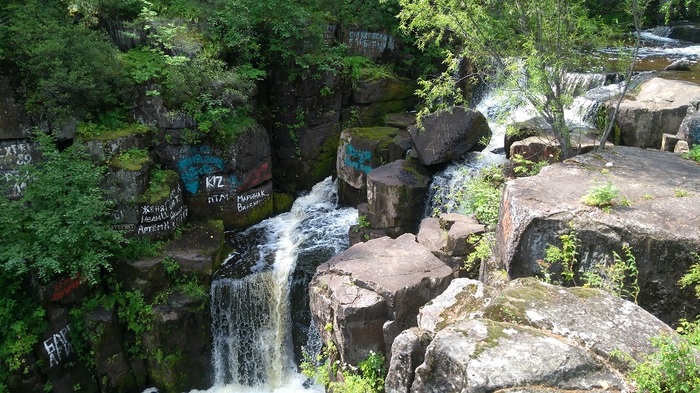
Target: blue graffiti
(233,181)
(360,160)
(198,161)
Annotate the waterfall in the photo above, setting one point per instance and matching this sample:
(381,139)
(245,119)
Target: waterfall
(253,349)
(503,107)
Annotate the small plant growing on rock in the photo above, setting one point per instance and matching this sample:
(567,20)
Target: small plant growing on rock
(362,221)
(601,195)
(561,260)
(483,249)
(680,192)
(618,277)
(673,367)
(523,167)
(326,370)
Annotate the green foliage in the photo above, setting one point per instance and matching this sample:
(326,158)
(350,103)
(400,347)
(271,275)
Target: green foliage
(673,367)
(680,9)
(131,160)
(618,277)
(109,126)
(367,377)
(602,195)
(160,186)
(561,261)
(483,250)
(64,69)
(480,196)
(531,45)
(523,167)
(680,192)
(692,277)
(693,154)
(23,323)
(59,226)
(362,221)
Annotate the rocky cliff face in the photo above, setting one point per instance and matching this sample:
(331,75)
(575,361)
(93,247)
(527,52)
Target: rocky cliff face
(658,220)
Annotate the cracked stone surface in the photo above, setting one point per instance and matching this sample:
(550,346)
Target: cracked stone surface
(660,221)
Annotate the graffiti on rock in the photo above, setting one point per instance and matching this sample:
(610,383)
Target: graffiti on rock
(58,347)
(261,173)
(163,217)
(65,287)
(250,200)
(357,159)
(195,162)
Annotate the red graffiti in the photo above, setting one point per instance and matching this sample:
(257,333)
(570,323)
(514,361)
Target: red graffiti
(255,177)
(65,287)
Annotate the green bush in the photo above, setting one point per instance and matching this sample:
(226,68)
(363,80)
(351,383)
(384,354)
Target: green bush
(480,196)
(59,226)
(64,69)
(693,154)
(367,377)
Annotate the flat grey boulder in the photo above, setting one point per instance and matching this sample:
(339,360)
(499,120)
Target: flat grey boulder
(446,136)
(658,220)
(372,291)
(658,107)
(522,337)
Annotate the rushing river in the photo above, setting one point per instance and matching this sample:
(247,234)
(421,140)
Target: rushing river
(251,300)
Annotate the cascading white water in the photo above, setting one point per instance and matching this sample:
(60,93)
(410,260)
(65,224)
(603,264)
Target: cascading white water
(253,350)
(501,108)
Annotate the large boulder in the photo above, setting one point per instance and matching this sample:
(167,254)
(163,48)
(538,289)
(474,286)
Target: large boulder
(229,183)
(658,220)
(659,106)
(446,136)
(396,196)
(527,335)
(371,292)
(359,151)
(374,97)
(304,128)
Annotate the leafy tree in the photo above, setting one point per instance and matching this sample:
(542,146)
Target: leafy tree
(530,44)
(63,69)
(59,226)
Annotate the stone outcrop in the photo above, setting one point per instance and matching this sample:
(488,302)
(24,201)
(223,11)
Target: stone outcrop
(448,135)
(231,183)
(359,151)
(371,292)
(396,196)
(527,335)
(375,97)
(684,32)
(659,106)
(447,237)
(304,128)
(658,220)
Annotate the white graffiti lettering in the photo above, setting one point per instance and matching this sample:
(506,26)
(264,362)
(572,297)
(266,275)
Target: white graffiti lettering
(214,182)
(249,201)
(218,198)
(58,347)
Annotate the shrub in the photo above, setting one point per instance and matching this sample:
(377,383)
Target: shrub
(601,195)
(693,154)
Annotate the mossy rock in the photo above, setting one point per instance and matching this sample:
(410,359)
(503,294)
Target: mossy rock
(282,202)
